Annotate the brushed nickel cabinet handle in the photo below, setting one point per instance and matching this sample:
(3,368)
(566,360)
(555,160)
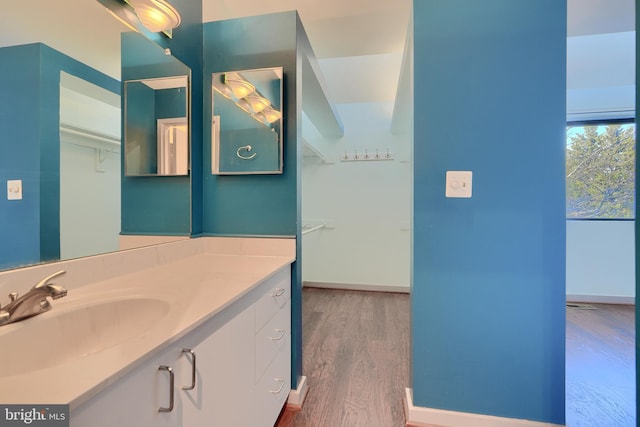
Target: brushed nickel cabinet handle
(279,337)
(278,292)
(279,388)
(171,383)
(193,369)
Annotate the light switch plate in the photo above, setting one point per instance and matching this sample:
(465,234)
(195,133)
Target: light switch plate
(458,184)
(14,189)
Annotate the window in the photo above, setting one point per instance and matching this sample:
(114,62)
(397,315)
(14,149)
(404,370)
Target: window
(600,170)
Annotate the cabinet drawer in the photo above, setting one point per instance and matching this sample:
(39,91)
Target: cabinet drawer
(272,390)
(277,294)
(274,337)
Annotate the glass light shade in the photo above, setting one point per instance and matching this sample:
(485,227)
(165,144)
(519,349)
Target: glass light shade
(257,103)
(271,115)
(156,15)
(240,88)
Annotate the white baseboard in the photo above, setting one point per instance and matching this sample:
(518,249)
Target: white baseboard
(297,396)
(601,299)
(357,287)
(419,416)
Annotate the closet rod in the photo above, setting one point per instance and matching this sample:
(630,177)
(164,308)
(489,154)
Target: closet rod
(309,230)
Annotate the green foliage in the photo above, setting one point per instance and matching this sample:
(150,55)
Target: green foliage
(601,172)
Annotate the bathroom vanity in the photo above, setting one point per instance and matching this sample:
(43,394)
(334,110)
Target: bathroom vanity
(197,334)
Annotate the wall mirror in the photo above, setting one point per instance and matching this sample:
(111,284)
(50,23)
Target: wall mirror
(65,132)
(246,126)
(63,210)
(156,111)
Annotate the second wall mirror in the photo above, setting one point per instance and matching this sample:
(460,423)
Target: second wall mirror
(246,125)
(156,109)
(156,126)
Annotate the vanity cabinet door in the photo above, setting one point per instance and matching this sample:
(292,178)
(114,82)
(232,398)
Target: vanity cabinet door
(134,400)
(224,378)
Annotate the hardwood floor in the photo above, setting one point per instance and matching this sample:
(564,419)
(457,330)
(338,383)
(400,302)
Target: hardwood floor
(600,377)
(356,359)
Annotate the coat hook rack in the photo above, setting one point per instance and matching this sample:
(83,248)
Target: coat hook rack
(367,155)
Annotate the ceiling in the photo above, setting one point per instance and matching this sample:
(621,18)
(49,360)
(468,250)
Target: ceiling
(336,28)
(358,41)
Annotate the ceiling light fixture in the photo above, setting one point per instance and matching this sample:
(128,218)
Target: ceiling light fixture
(145,16)
(156,15)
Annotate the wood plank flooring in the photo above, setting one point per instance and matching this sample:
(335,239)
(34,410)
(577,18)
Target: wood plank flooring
(356,359)
(600,377)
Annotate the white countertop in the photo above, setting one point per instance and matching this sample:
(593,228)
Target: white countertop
(196,287)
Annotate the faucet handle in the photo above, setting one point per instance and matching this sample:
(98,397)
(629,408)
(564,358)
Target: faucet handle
(13,296)
(44,282)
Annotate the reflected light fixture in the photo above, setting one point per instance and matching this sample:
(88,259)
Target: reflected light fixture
(145,16)
(156,15)
(257,103)
(239,87)
(271,115)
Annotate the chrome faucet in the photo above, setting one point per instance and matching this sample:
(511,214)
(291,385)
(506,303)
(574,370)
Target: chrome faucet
(35,301)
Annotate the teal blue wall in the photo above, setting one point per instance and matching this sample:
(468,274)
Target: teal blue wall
(140,118)
(169,205)
(30,148)
(187,46)
(259,205)
(488,292)
(170,103)
(20,153)
(252,204)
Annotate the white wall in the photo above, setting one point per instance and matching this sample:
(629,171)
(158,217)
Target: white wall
(89,202)
(601,261)
(89,169)
(366,206)
(601,75)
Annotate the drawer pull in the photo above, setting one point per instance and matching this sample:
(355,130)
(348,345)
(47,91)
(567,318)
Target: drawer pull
(278,292)
(279,388)
(193,369)
(282,332)
(171,382)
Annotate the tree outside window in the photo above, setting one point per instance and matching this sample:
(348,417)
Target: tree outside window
(600,171)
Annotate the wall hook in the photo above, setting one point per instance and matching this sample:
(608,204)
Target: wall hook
(248,149)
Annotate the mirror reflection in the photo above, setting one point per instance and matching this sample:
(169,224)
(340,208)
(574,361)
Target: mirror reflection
(247,122)
(61,130)
(156,109)
(156,126)
(89,168)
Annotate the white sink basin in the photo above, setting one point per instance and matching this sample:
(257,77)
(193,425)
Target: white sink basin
(74,330)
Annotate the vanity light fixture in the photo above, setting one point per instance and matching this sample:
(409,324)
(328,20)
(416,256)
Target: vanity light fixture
(271,115)
(245,95)
(156,15)
(257,103)
(144,16)
(123,12)
(240,88)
